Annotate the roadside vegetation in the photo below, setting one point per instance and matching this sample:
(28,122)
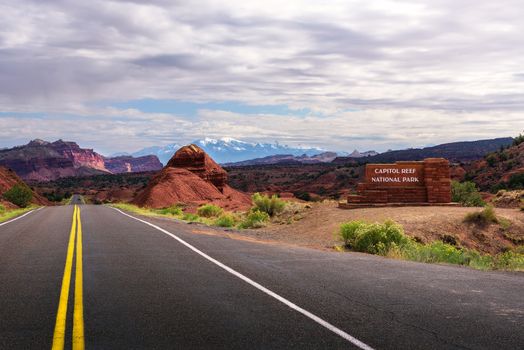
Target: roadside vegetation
(483,217)
(264,209)
(388,239)
(7,214)
(466,193)
(20,195)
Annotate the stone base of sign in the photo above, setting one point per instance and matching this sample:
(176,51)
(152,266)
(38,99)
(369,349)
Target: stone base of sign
(424,182)
(346,205)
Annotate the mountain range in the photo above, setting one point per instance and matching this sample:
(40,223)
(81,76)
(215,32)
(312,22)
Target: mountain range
(229,150)
(44,161)
(454,151)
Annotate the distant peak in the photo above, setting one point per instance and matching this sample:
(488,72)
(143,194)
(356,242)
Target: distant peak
(38,142)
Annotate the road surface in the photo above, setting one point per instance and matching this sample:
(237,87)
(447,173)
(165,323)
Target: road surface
(144,289)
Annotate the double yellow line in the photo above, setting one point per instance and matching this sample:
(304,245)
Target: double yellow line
(78,312)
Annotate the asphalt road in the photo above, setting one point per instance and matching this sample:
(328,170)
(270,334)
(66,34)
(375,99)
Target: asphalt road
(143,289)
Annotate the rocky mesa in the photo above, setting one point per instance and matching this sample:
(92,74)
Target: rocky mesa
(44,161)
(191,177)
(129,164)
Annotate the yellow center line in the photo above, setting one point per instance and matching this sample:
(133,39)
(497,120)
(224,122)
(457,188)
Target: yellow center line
(78,313)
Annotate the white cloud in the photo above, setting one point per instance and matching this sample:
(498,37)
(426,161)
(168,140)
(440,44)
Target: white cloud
(414,71)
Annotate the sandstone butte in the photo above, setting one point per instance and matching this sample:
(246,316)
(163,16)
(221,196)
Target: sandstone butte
(8,179)
(191,177)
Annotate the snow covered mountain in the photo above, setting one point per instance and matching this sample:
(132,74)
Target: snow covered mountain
(228,150)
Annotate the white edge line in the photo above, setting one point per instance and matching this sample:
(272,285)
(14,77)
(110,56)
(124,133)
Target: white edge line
(21,216)
(283,300)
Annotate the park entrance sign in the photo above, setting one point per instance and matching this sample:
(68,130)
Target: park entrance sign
(423,182)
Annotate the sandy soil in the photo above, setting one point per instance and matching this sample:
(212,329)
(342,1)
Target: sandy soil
(316,226)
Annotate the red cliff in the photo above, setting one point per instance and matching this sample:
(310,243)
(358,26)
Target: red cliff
(128,164)
(44,161)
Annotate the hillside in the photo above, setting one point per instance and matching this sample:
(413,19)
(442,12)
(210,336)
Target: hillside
(503,169)
(454,152)
(320,179)
(324,157)
(8,179)
(43,161)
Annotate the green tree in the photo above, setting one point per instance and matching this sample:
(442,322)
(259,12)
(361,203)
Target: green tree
(466,193)
(19,195)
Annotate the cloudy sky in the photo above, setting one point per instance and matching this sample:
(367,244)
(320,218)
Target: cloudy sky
(121,75)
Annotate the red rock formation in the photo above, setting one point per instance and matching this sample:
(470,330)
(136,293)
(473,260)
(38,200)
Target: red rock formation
(8,179)
(128,164)
(44,161)
(191,177)
(81,157)
(194,159)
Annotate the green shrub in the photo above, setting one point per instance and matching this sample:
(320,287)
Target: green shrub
(209,211)
(191,217)
(172,210)
(255,219)
(436,252)
(349,231)
(516,181)
(270,205)
(373,238)
(2,209)
(305,196)
(388,239)
(19,195)
(491,159)
(482,217)
(510,261)
(225,220)
(466,193)
(518,140)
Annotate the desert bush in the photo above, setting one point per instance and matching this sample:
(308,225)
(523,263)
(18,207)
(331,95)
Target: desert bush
(255,219)
(209,211)
(19,195)
(388,239)
(191,217)
(518,140)
(509,260)
(349,231)
(482,217)
(172,210)
(2,209)
(466,193)
(373,238)
(225,220)
(436,252)
(491,159)
(270,205)
(516,181)
(305,196)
